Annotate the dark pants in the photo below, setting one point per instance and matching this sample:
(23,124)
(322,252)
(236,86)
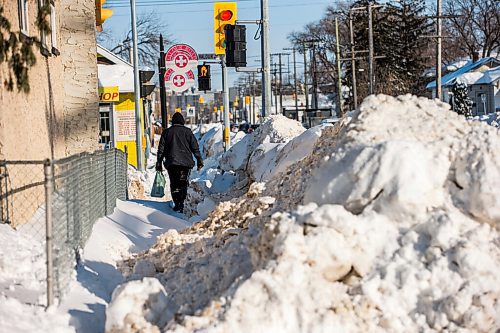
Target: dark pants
(179,177)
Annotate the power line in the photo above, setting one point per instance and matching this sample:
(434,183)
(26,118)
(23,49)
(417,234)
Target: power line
(112,5)
(150,3)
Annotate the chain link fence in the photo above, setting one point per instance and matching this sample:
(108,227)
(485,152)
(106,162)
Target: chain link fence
(57,202)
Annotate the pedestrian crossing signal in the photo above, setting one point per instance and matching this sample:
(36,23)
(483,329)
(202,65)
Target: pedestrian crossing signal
(204,77)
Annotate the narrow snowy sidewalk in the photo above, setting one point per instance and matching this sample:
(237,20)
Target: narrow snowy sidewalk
(133,227)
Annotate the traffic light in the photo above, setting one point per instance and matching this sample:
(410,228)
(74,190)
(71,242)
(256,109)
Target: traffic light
(101,14)
(236,45)
(204,77)
(224,14)
(146,89)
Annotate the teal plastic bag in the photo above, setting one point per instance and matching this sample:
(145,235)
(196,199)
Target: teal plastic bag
(158,189)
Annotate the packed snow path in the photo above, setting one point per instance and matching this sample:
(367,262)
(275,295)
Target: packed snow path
(133,227)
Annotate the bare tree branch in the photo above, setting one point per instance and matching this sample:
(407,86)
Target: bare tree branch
(149,28)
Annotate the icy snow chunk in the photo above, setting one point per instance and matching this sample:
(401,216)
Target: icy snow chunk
(270,159)
(397,177)
(140,305)
(477,174)
(205,207)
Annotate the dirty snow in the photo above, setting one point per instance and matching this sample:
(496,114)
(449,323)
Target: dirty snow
(228,174)
(390,224)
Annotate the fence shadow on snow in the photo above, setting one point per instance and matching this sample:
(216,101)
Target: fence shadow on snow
(56,203)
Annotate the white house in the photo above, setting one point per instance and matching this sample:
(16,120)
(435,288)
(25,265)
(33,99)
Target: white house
(483,79)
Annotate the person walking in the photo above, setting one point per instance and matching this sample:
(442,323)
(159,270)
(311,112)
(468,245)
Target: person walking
(175,151)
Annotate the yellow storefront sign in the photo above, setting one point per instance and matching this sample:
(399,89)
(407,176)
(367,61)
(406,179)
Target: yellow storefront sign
(109,94)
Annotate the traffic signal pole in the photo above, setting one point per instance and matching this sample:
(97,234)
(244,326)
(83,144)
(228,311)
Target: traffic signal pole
(266,61)
(137,89)
(163,95)
(225,88)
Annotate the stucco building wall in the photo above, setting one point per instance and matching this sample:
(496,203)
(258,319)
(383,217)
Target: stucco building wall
(59,116)
(32,125)
(79,57)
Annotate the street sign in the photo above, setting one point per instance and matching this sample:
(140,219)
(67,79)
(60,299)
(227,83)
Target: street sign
(208,56)
(181,58)
(178,81)
(190,112)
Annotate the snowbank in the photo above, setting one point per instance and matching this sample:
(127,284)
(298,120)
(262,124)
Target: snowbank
(391,224)
(22,282)
(277,129)
(228,174)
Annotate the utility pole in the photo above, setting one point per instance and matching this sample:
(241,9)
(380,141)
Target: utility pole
(438,52)
(137,89)
(266,63)
(306,92)
(353,63)
(295,86)
(280,87)
(294,50)
(314,76)
(339,71)
(370,47)
(225,102)
(275,73)
(253,98)
(163,95)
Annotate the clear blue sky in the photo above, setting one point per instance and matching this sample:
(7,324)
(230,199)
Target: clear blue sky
(193,23)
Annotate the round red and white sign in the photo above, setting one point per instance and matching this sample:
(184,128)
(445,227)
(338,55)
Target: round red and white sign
(177,81)
(181,58)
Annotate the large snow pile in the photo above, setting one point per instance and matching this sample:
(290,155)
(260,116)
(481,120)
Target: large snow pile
(391,224)
(251,157)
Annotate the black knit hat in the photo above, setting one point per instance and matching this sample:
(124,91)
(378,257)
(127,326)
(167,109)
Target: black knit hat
(177,119)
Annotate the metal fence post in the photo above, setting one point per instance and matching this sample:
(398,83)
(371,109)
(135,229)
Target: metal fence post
(126,173)
(49,189)
(115,155)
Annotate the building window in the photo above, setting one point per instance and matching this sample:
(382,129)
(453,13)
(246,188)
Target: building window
(43,33)
(53,28)
(23,16)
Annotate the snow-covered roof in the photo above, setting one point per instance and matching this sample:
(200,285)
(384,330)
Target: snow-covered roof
(451,77)
(455,65)
(116,75)
(487,77)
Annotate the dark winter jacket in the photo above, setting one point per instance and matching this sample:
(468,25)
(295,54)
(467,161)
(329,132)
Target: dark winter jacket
(178,145)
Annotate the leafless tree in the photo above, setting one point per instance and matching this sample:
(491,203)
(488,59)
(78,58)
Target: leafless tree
(474,25)
(149,28)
